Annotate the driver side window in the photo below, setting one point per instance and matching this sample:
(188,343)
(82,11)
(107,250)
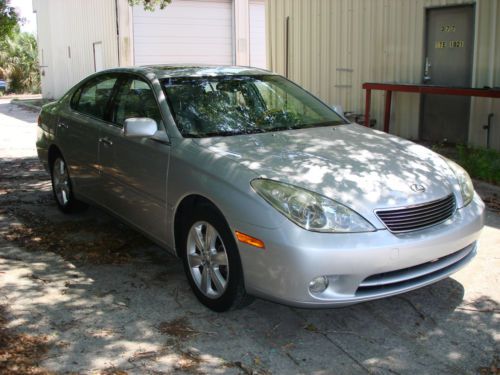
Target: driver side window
(135,98)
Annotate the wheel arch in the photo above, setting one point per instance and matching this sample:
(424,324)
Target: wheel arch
(53,152)
(184,211)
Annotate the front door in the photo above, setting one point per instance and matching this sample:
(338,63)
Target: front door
(448,62)
(134,170)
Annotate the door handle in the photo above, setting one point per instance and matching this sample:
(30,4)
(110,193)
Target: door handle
(427,70)
(62,125)
(106,141)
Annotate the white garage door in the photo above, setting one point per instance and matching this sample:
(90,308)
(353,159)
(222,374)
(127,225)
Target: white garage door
(257,10)
(186,31)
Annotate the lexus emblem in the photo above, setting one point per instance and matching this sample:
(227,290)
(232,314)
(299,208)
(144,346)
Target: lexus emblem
(417,188)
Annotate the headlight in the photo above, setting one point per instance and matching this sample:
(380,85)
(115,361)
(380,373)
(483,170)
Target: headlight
(464,181)
(309,210)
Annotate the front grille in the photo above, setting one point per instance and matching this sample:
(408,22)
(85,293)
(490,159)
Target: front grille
(406,219)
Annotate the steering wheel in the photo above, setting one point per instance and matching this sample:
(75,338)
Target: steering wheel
(272,117)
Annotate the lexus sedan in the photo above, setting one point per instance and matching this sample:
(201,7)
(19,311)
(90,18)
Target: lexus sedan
(258,186)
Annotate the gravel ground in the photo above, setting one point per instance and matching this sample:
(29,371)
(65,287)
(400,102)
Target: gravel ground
(102,299)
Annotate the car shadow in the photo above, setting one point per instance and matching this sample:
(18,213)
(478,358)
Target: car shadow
(108,298)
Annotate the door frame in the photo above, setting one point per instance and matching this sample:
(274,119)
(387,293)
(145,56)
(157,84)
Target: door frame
(426,10)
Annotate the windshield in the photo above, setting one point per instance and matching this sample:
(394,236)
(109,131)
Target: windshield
(232,105)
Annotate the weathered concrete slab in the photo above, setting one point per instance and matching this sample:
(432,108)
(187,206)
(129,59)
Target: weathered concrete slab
(109,299)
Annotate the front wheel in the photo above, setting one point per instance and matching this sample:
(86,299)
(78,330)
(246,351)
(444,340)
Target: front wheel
(212,262)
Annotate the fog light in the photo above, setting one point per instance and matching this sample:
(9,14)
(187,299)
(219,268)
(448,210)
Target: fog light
(318,284)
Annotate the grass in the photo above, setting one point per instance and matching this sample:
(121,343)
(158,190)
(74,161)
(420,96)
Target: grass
(482,164)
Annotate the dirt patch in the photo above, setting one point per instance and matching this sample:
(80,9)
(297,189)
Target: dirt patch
(178,328)
(188,362)
(493,369)
(493,203)
(20,354)
(90,242)
(112,371)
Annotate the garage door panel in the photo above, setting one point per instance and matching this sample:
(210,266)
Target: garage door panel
(257,33)
(187,31)
(208,31)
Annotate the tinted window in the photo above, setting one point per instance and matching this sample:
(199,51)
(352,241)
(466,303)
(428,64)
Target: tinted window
(93,98)
(230,105)
(135,98)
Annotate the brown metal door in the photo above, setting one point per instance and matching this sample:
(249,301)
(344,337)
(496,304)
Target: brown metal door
(448,62)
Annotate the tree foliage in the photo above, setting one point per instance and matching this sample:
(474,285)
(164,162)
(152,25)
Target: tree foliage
(19,62)
(8,19)
(150,5)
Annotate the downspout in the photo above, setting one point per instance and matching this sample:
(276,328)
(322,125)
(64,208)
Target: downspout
(117,32)
(493,43)
(491,75)
(287,44)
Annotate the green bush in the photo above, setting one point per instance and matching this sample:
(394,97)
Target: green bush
(483,164)
(19,62)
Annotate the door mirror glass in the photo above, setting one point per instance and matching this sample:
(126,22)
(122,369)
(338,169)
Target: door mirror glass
(139,127)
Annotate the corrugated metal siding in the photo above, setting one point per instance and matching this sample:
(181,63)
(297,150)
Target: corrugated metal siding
(75,24)
(336,45)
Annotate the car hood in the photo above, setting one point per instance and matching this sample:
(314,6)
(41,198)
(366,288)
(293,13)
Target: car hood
(362,168)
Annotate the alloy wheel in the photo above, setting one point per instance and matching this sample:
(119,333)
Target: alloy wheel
(61,181)
(207,259)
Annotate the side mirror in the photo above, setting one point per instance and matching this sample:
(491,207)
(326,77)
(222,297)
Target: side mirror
(139,127)
(338,108)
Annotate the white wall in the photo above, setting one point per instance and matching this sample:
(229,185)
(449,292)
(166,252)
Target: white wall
(67,31)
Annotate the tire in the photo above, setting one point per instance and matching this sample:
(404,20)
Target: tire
(215,276)
(62,187)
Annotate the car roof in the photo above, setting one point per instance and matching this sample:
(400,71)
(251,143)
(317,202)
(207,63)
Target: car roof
(171,71)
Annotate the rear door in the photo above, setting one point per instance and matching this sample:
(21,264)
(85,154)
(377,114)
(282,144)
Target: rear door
(134,170)
(78,133)
(448,62)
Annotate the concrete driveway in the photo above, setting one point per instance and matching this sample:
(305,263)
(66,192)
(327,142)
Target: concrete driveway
(106,300)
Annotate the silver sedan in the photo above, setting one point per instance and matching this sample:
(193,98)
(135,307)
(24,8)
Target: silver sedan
(259,187)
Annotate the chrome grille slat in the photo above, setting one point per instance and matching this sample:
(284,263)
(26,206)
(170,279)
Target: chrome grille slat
(408,227)
(429,215)
(411,214)
(414,209)
(419,222)
(406,219)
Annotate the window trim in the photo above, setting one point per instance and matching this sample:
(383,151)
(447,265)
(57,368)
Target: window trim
(90,80)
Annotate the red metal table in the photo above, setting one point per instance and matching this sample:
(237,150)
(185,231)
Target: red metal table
(421,89)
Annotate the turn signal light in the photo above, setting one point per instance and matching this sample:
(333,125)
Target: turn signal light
(245,238)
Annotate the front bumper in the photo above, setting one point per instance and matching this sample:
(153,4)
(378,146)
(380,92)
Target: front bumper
(359,266)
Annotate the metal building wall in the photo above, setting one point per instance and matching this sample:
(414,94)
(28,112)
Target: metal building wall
(66,33)
(336,45)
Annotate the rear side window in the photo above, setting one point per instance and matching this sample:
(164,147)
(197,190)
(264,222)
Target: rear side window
(93,98)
